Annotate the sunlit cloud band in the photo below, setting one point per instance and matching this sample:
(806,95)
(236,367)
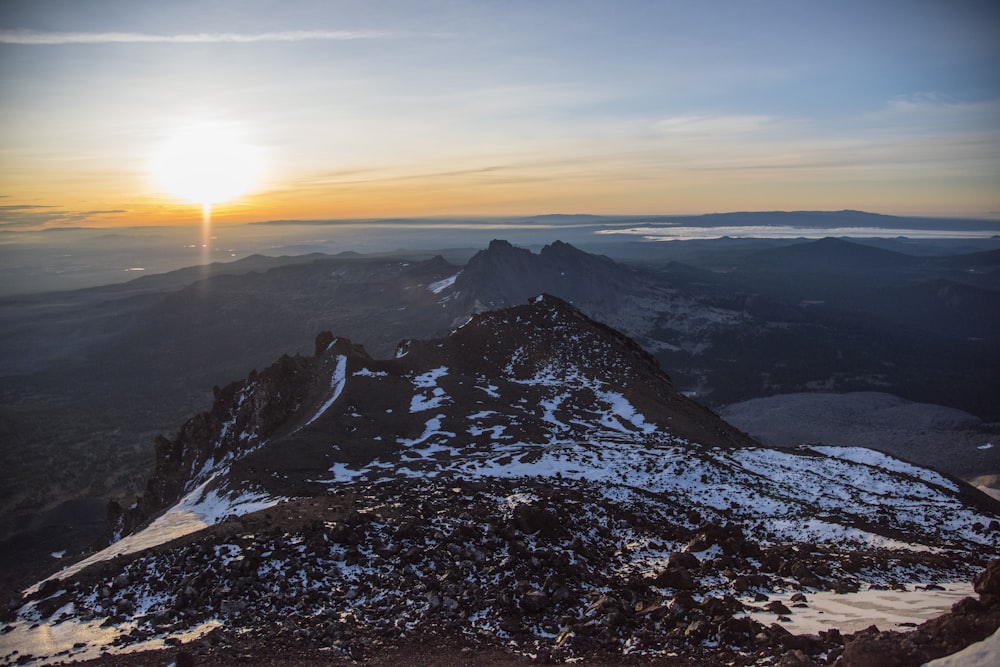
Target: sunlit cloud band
(40,38)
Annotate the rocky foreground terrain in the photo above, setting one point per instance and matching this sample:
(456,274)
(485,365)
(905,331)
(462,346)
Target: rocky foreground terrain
(530,488)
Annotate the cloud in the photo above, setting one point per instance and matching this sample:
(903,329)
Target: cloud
(14,208)
(714,125)
(35,216)
(922,101)
(372,176)
(31,37)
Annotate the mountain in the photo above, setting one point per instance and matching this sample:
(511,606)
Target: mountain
(833,255)
(121,364)
(503,275)
(531,484)
(538,375)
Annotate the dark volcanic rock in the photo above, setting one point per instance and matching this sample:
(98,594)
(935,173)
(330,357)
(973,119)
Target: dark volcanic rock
(987,584)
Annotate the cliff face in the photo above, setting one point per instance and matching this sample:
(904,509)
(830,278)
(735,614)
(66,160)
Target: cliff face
(245,414)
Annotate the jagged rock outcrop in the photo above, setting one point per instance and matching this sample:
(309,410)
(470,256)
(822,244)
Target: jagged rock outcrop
(244,415)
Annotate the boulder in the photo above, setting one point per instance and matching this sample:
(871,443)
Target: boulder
(987,584)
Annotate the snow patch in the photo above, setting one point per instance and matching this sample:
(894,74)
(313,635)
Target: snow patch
(337,383)
(875,458)
(441,285)
(80,641)
(431,428)
(852,612)
(430,378)
(623,409)
(197,510)
(366,372)
(435,398)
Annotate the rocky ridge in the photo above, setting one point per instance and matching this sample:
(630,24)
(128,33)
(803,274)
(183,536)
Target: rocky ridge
(530,484)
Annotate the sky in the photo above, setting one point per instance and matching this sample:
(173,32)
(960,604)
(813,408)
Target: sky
(332,109)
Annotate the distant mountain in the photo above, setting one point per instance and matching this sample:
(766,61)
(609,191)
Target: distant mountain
(530,483)
(832,255)
(503,275)
(834,220)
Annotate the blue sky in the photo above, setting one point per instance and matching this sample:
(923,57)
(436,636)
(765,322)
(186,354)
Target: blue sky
(428,108)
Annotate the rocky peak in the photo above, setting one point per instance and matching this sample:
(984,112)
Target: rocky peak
(539,373)
(503,275)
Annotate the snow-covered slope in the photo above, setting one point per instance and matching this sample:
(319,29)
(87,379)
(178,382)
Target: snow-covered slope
(532,481)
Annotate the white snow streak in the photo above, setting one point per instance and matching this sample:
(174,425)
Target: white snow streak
(337,382)
(442,285)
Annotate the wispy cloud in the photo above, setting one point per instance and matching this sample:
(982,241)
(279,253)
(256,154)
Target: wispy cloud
(30,37)
(373,176)
(38,216)
(714,125)
(922,101)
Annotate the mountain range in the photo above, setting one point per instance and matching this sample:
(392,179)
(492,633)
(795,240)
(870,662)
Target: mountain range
(739,320)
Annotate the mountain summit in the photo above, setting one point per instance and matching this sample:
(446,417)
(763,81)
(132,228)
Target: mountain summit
(536,376)
(503,275)
(530,483)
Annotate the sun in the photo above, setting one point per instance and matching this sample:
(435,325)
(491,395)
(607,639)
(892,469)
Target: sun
(206,165)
